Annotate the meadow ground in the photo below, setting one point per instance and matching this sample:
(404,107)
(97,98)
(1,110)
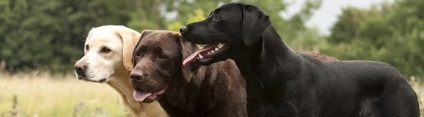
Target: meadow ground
(39,94)
(42,95)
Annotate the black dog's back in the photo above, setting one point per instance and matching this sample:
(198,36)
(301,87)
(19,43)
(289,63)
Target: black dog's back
(369,88)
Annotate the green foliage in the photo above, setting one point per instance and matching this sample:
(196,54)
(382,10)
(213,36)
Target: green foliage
(48,34)
(291,29)
(197,16)
(390,33)
(145,15)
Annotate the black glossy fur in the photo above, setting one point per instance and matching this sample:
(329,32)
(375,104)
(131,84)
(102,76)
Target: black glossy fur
(283,83)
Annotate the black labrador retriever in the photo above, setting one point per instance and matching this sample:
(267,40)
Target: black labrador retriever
(280,82)
(217,90)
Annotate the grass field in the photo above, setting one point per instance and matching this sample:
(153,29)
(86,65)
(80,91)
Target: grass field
(42,95)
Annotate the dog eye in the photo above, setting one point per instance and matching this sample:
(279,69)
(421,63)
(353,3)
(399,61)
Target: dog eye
(162,56)
(215,18)
(105,50)
(139,54)
(86,47)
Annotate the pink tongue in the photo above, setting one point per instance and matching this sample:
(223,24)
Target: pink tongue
(193,56)
(140,96)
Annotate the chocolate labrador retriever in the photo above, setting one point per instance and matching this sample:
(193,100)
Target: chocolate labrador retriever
(217,90)
(280,82)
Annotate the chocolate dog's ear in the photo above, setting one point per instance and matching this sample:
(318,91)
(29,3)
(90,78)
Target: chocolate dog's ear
(187,49)
(129,39)
(143,34)
(255,22)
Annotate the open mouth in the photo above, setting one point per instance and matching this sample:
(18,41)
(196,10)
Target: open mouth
(207,52)
(145,96)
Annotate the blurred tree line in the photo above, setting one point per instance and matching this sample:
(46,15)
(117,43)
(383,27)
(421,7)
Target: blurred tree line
(49,35)
(391,32)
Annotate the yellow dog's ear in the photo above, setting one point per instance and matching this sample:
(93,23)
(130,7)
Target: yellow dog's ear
(86,38)
(129,39)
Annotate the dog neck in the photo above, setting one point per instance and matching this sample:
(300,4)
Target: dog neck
(184,97)
(120,81)
(277,55)
(270,58)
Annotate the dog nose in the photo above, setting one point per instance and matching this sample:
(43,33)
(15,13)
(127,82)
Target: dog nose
(80,68)
(137,76)
(183,29)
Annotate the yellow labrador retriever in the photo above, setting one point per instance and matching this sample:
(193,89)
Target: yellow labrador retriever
(107,59)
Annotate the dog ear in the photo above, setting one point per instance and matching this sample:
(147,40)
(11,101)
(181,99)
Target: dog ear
(129,39)
(255,22)
(143,34)
(90,32)
(88,36)
(187,49)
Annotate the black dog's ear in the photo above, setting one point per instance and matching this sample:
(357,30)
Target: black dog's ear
(255,22)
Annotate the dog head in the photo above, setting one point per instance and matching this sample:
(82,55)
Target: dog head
(158,64)
(229,27)
(107,50)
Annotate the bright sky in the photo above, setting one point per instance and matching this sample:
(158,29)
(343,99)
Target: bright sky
(329,11)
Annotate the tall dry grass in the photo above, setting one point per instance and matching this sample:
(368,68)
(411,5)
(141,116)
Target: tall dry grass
(419,89)
(40,94)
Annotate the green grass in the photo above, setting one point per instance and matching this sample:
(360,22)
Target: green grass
(43,95)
